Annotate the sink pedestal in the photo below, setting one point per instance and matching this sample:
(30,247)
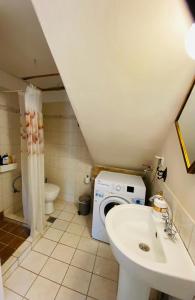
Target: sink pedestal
(130,287)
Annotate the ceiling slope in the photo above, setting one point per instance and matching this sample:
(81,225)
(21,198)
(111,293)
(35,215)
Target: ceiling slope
(23,48)
(125,70)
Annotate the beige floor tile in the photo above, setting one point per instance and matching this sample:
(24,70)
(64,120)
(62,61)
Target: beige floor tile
(75,228)
(83,260)
(54,270)
(56,213)
(9,295)
(66,216)
(20,281)
(70,207)
(102,288)
(77,279)
(34,261)
(63,253)
(87,232)
(60,225)
(45,246)
(10,262)
(70,239)
(59,205)
(88,245)
(67,294)
(104,250)
(53,234)
(81,220)
(106,268)
(43,289)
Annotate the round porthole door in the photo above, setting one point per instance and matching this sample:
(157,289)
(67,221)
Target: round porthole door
(108,203)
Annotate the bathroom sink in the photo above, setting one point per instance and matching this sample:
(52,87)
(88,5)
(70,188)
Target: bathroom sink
(148,258)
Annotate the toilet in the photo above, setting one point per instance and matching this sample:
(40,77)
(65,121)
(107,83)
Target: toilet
(51,193)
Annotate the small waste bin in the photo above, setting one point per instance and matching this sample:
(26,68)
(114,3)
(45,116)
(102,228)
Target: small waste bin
(84,205)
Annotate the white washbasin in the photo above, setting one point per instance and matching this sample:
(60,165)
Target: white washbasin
(166,266)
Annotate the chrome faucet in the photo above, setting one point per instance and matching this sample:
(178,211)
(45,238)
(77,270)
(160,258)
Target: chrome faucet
(169,226)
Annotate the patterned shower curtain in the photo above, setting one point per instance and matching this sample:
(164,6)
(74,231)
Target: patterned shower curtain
(32,159)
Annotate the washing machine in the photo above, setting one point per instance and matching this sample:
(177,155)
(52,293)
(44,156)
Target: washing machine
(112,189)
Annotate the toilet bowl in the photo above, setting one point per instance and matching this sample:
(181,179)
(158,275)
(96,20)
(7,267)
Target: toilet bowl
(51,193)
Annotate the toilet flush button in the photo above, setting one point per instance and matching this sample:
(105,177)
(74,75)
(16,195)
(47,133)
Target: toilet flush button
(118,188)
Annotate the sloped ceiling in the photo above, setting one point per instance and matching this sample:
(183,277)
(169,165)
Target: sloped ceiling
(125,70)
(23,48)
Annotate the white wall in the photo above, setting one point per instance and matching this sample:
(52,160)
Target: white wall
(10,82)
(125,70)
(178,180)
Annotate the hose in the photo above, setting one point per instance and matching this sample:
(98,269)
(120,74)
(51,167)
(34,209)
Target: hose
(15,190)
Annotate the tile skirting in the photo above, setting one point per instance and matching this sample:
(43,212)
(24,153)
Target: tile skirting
(1,215)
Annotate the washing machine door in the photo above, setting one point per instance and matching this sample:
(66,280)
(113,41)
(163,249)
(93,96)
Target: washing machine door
(108,203)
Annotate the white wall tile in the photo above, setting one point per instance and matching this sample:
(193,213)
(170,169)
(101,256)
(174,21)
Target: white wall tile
(67,159)
(182,220)
(9,143)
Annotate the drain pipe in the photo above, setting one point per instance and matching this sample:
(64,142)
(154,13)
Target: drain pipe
(15,190)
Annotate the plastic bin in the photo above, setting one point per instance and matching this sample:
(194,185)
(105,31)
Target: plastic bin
(84,205)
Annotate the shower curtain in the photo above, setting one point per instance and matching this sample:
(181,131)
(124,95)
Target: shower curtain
(32,159)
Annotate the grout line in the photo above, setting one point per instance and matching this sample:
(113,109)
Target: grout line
(63,286)
(13,291)
(69,264)
(92,271)
(66,273)
(30,285)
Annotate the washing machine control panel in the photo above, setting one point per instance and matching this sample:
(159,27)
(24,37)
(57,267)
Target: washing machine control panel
(118,188)
(131,192)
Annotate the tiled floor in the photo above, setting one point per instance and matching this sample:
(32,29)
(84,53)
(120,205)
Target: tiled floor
(65,264)
(12,235)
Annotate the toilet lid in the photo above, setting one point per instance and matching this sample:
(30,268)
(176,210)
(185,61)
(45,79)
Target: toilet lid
(50,188)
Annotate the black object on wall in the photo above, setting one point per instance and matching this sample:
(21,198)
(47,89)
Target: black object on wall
(191,5)
(162,174)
